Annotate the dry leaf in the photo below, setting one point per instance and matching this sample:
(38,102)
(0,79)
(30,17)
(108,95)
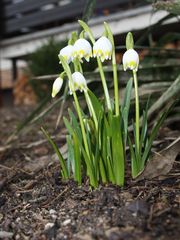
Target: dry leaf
(161,163)
(38,164)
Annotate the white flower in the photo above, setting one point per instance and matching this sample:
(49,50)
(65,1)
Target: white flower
(82,48)
(67,52)
(56,86)
(102,48)
(130,60)
(79,82)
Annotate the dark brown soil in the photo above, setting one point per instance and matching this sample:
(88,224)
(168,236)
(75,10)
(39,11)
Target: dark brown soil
(36,204)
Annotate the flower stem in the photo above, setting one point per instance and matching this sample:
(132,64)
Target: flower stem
(104,84)
(136,107)
(91,37)
(78,109)
(91,109)
(115,77)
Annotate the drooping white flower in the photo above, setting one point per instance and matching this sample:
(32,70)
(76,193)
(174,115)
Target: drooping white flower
(130,60)
(102,48)
(78,82)
(82,49)
(56,86)
(67,53)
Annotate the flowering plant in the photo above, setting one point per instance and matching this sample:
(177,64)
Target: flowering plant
(97,140)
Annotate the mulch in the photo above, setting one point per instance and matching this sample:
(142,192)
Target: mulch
(36,204)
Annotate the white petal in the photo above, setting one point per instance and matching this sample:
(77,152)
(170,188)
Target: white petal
(57,86)
(101,47)
(67,52)
(82,48)
(130,56)
(79,81)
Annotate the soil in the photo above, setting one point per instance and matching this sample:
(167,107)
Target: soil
(36,204)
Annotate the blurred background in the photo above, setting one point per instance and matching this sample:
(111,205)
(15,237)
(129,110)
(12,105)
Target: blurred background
(33,31)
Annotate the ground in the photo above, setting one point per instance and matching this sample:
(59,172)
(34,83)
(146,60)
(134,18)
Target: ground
(36,204)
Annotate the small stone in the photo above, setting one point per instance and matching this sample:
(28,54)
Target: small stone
(52,212)
(66,222)
(1,216)
(4,234)
(48,226)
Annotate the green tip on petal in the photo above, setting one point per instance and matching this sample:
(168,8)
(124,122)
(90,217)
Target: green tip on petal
(53,94)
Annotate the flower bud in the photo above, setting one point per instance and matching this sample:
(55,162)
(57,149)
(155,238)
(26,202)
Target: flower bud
(130,60)
(67,52)
(79,82)
(56,86)
(82,48)
(102,48)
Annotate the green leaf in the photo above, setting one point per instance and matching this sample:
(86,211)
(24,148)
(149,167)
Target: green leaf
(154,133)
(109,161)
(68,126)
(88,10)
(117,151)
(143,135)
(70,158)
(129,41)
(134,165)
(75,125)
(126,106)
(98,108)
(99,161)
(56,149)
(90,168)
(77,158)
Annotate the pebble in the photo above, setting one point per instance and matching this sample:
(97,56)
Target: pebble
(4,234)
(52,212)
(1,216)
(66,222)
(48,226)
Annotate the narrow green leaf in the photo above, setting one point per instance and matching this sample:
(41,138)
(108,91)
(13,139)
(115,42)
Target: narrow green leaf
(134,165)
(88,10)
(117,151)
(109,162)
(68,126)
(154,133)
(96,104)
(56,149)
(70,158)
(75,124)
(137,153)
(126,106)
(143,132)
(90,169)
(77,158)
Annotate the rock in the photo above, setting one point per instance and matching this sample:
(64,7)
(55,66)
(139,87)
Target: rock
(52,212)
(4,234)
(48,226)
(66,222)
(138,206)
